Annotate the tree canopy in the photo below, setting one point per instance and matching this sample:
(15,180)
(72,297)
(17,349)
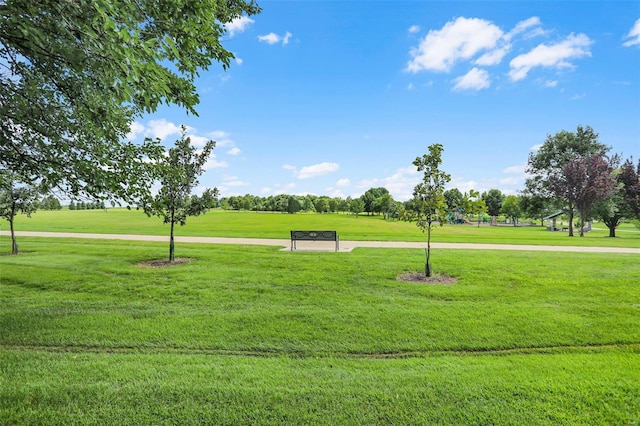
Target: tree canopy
(74,74)
(547,164)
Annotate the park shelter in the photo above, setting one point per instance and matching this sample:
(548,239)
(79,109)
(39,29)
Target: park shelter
(551,220)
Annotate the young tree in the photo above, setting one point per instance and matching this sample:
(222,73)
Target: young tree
(584,182)
(76,73)
(16,197)
(546,165)
(428,196)
(475,205)
(180,170)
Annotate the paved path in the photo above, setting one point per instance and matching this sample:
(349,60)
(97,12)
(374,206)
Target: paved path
(345,246)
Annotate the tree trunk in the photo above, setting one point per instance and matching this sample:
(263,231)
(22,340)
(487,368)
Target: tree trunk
(571,221)
(583,219)
(612,231)
(427,265)
(14,242)
(171,243)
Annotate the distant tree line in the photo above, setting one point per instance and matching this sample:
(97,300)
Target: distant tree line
(88,205)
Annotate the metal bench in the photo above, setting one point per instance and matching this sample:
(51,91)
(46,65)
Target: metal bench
(314,236)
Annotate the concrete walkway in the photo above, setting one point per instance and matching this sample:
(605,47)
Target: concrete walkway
(345,246)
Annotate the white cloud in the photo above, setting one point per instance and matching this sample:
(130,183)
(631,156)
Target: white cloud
(289,167)
(410,86)
(476,79)
(135,130)
(550,56)
(334,192)
(578,96)
(464,185)
(458,40)
(238,25)
(634,35)
(400,184)
(493,57)
(517,169)
(273,38)
(548,83)
(234,151)
(162,128)
(343,182)
(536,32)
(503,47)
(315,170)
(212,163)
(286,188)
(522,26)
(536,147)
(218,134)
(414,29)
(239,60)
(234,183)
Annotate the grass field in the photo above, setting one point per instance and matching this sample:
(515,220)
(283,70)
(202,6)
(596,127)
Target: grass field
(275,225)
(252,335)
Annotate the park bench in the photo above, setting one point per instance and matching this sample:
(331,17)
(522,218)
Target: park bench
(314,236)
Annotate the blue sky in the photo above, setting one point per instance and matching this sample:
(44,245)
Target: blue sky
(335,97)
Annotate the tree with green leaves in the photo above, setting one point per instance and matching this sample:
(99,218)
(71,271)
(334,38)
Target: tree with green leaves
(455,200)
(428,196)
(547,164)
(585,181)
(493,200)
(16,197)
(293,205)
(75,74)
(179,172)
(475,205)
(356,206)
(383,204)
(511,208)
(629,178)
(624,202)
(535,206)
(369,198)
(50,203)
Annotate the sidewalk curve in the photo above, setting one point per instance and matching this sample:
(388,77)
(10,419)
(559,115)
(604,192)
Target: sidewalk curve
(345,246)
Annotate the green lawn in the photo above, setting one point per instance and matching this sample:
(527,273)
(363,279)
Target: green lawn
(275,225)
(253,335)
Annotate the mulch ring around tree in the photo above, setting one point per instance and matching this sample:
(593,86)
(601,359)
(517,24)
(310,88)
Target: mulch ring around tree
(420,278)
(164,263)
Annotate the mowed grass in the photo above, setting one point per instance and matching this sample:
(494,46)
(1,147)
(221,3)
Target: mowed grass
(253,335)
(218,223)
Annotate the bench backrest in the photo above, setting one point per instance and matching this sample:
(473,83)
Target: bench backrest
(314,235)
